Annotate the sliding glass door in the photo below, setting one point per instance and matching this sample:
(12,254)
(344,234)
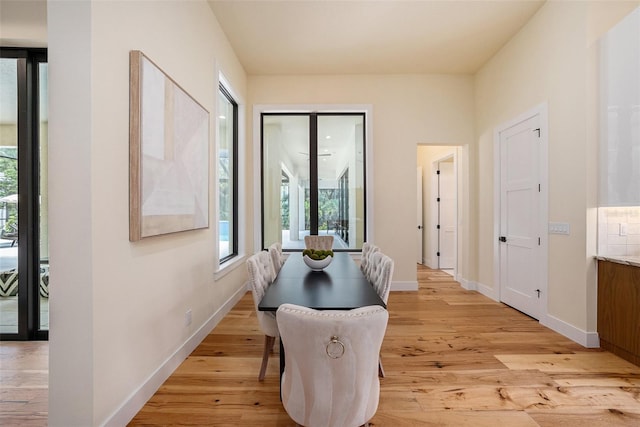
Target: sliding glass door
(24,272)
(313,176)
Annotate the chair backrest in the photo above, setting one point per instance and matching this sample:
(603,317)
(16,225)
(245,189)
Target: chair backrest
(381,271)
(261,275)
(331,364)
(368,249)
(318,242)
(275,251)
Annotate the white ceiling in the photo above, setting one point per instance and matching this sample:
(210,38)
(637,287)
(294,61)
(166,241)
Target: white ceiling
(369,37)
(340,36)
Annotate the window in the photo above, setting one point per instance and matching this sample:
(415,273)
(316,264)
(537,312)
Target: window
(24,257)
(227,175)
(313,175)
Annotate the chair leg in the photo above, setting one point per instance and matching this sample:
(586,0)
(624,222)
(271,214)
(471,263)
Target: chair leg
(380,368)
(268,345)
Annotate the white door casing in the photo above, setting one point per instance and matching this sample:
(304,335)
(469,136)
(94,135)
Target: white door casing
(419,213)
(521,214)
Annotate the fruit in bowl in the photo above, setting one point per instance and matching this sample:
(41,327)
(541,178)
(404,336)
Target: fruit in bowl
(317,259)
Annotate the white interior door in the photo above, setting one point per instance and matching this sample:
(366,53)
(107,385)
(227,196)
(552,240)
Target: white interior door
(519,238)
(419,213)
(447,205)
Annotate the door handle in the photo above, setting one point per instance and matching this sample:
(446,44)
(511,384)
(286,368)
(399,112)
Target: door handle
(502,238)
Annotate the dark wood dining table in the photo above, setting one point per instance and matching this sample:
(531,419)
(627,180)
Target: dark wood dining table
(340,286)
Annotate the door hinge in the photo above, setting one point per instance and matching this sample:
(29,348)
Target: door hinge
(538,291)
(539,188)
(538,241)
(537,130)
(437,253)
(438,226)
(438,172)
(438,199)
(502,239)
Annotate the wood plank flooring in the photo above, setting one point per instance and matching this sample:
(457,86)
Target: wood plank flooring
(452,357)
(24,380)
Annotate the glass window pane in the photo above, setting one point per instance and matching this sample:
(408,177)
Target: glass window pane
(226,162)
(285,175)
(8,195)
(341,179)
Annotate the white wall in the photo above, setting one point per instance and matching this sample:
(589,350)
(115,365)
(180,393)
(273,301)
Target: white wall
(407,110)
(118,313)
(550,60)
(23,23)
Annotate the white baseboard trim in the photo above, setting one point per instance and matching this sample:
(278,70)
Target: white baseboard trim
(132,405)
(488,291)
(478,287)
(404,286)
(584,338)
(466,284)
(429,263)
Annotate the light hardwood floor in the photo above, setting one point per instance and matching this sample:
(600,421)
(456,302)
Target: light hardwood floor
(451,357)
(24,379)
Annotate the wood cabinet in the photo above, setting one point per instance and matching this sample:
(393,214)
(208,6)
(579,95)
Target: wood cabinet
(619,309)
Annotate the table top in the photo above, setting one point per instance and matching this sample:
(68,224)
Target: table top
(340,286)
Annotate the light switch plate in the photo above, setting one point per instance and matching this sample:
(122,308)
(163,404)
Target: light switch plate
(559,228)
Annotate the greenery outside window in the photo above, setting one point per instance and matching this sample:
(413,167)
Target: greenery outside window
(227,175)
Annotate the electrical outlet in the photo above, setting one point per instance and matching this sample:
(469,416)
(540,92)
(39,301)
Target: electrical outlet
(187,318)
(623,229)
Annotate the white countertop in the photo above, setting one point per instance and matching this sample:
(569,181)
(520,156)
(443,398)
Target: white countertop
(627,260)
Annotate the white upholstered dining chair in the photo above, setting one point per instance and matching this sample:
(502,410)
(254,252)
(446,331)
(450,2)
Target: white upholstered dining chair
(380,273)
(261,274)
(368,249)
(330,376)
(318,242)
(277,258)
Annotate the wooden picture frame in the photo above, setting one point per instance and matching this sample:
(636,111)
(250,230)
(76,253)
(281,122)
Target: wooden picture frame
(168,154)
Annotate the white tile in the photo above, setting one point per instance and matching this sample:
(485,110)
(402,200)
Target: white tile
(633,250)
(633,239)
(617,250)
(614,239)
(613,229)
(634,216)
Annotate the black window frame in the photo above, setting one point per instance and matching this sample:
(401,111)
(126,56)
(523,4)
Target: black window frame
(28,128)
(313,169)
(233,242)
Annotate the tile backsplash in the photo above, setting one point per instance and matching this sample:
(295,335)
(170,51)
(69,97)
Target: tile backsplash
(619,231)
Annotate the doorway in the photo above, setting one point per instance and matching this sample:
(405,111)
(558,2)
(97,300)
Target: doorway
(24,260)
(439,206)
(420,239)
